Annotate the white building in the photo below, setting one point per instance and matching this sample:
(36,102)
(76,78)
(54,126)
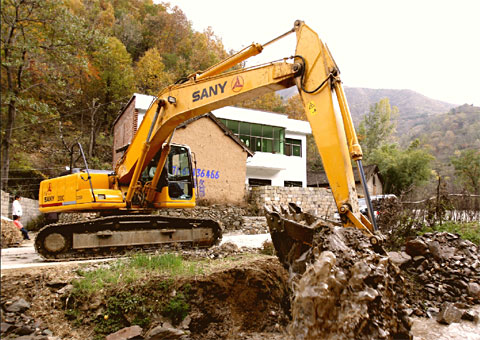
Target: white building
(279,143)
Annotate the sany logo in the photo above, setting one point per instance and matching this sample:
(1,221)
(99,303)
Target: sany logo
(237,84)
(49,188)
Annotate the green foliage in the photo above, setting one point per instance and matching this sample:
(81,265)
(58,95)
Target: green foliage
(123,272)
(468,231)
(124,309)
(72,62)
(177,308)
(150,73)
(402,169)
(377,127)
(445,134)
(467,169)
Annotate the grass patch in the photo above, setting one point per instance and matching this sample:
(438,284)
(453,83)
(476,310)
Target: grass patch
(468,231)
(139,266)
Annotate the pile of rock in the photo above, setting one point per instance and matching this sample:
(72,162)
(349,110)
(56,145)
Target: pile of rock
(442,268)
(11,235)
(348,291)
(17,325)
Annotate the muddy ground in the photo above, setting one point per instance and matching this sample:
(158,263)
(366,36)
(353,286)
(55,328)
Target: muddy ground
(246,297)
(244,294)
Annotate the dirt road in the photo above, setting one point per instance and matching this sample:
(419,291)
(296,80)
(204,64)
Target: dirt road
(26,257)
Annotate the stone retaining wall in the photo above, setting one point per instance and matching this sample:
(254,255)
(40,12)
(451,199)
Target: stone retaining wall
(317,200)
(29,207)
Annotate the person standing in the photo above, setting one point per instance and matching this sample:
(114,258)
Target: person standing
(19,225)
(17,208)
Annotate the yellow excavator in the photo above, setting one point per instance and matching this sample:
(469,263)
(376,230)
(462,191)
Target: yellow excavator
(156,174)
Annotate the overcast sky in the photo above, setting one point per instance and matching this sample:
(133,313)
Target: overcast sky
(431,47)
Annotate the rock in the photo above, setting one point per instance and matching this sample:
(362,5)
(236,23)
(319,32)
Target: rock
(24,330)
(47,332)
(6,327)
(128,333)
(164,333)
(19,305)
(65,290)
(470,316)
(449,314)
(186,322)
(432,312)
(399,258)
(416,247)
(474,290)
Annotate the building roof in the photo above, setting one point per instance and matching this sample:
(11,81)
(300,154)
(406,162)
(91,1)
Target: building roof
(320,178)
(227,131)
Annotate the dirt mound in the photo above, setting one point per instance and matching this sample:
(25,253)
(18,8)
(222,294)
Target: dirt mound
(253,297)
(11,236)
(241,297)
(348,291)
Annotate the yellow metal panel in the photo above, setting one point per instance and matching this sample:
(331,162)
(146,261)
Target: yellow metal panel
(326,122)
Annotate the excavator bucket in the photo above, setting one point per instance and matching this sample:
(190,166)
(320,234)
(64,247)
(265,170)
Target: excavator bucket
(292,232)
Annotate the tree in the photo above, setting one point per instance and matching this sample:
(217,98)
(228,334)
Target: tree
(402,169)
(377,127)
(113,84)
(150,74)
(467,169)
(41,43)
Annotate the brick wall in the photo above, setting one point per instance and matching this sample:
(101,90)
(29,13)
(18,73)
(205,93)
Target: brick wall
(29,207)
(318,200)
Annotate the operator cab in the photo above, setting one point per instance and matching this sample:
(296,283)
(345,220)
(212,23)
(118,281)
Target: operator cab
(177,174)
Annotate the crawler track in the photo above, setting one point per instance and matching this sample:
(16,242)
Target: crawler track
(116,235)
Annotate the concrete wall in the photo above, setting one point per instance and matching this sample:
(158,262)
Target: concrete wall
(318,200)
(215,151)
(29,207)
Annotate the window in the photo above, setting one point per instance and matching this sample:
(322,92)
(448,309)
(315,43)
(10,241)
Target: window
(292,184)
(293,147)
(258,137)
(258,182)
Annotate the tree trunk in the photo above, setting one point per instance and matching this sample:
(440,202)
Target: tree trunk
(91,146)
(7,140)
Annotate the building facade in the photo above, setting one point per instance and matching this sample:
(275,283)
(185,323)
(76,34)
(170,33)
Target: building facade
(279,143)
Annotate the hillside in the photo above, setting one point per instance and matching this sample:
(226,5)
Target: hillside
(414,107)
(446,133)
(410,103)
